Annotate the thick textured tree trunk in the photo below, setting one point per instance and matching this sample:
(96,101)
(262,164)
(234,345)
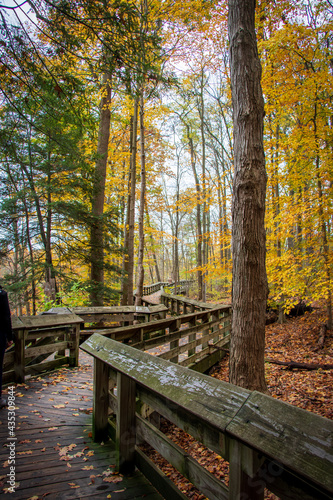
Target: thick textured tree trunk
(249,288)
(97,229)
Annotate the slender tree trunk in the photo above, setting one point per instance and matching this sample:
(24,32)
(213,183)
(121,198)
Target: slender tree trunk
(97,208)
(249,287)
(198,217)
(323,230)
(152,247)
(50,276)
(201,107)
(124,282)
(141,270)
(131,218)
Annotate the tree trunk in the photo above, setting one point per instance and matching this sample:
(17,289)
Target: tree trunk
(325,244)
(124,282)
(141,271)
(249,287)
(131,208)
(152,248)
(198,218)
(97,229)
(201,107)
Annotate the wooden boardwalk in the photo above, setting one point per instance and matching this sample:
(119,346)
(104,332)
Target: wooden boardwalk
(55,457)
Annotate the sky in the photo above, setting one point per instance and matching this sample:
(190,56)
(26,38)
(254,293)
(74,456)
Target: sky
(14,8)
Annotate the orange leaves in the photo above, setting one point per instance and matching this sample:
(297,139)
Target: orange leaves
(73,485)
(111,477)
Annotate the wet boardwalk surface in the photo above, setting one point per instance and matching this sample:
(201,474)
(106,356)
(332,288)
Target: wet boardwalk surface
(54,455)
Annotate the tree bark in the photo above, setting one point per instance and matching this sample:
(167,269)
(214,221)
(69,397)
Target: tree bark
(198,216)
(249,287)
(141,271)
(97,229)
(131,208)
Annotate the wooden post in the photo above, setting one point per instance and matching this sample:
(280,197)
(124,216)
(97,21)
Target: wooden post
(74,345)
(215,317)
(126,425)
(101,400)
(245,481)
(175,343)
(205,319)
(193,336)
(19,356)
(62,337)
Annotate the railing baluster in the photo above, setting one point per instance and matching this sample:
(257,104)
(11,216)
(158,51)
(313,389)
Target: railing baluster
(101,401)
(244,480)
(126,431)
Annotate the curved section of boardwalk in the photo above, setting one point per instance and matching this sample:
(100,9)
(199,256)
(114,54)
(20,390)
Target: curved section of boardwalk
(55,457)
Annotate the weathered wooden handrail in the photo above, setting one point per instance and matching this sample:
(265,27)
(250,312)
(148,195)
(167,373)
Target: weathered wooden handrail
(112,314)
(155,287)
(267,442)
(200,327)
(36,338)
(181,305)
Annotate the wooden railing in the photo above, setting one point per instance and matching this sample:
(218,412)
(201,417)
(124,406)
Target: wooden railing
(155,287)
(268,443)
(195,340)
(121,315)
(36,339)
(181,305)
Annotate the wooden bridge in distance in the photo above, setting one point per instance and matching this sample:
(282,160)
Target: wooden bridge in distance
(267,443)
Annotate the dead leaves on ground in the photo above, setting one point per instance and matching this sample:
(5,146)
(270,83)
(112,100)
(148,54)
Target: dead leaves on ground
(297,340)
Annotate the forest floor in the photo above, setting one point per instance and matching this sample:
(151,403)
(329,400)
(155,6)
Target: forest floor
(296,340)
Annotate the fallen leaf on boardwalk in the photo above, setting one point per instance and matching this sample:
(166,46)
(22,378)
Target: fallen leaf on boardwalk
(113,479)
(23,416)
(28,452)
(69,465)
(90,434)
(86,467)
(59,406)
(38,440)
(43,449)
(5,464)
(76,414)
(90,453)
(7,490)
(52,428)
(109,496)
(119,491)
(33,498)
(73,485)
(25,441)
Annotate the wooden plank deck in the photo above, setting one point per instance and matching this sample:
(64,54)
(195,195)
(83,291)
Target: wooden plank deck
(55,457)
